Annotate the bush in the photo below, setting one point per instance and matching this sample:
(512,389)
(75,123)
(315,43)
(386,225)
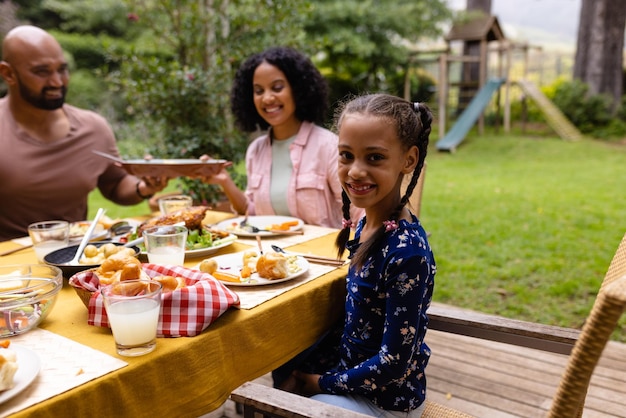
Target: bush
(86,90)
(590,113)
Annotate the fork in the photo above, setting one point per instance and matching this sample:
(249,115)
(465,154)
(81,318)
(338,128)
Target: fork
(246,226)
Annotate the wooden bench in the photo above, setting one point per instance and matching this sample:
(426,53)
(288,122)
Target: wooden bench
(265,401)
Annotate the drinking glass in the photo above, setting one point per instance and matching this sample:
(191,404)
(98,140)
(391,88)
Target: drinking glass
(171,204)
(133,308)
(166,244)
(48,236)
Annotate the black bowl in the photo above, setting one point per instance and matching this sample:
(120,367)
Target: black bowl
(60,257)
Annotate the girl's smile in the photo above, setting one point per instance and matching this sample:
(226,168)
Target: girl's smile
(372,163)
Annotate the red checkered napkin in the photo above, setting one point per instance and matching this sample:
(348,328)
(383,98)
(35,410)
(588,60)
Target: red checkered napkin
(185,312)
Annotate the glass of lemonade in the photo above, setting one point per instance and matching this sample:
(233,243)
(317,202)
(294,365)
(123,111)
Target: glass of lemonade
(165,245)
(169,204)
(48,236)
(133,308)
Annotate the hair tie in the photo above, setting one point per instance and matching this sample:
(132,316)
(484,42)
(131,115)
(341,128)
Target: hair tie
(416,106)
(390,225)
(346,223)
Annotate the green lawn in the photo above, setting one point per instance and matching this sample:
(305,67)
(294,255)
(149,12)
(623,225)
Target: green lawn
(521,227)
(525,228)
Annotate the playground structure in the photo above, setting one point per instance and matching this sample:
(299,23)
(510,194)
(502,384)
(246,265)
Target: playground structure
(477,89)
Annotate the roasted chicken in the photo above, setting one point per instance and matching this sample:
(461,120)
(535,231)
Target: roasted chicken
(192,217)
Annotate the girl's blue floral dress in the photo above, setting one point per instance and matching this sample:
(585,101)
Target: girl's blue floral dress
(382,354)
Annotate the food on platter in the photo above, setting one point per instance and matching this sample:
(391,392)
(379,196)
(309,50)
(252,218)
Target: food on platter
(226,277)
(79,229)
(200,239)
(208,266)
(120,267)
(98,254)
(262,225)
(270,266)
(250,259)
(273,265)
(285,226)
(170,283)
(192,218)
(8,366)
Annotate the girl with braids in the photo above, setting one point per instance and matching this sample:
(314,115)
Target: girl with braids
(381,351)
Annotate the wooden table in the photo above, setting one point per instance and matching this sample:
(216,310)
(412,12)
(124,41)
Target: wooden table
(193,376)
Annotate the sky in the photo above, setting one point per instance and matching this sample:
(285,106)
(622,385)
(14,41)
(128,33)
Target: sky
(553,21)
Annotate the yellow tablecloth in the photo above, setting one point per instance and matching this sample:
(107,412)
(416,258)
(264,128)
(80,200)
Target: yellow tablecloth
(193,376)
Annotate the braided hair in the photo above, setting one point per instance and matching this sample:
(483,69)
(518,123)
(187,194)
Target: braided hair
(412,122)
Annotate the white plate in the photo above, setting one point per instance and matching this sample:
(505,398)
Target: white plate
(28,366)
(233,263)
(78,230)
(261,222)
(201,252)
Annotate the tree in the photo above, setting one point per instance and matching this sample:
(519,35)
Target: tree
(364,45)
(179,74)
(600,46)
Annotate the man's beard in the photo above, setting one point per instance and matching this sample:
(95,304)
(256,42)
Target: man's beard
(40,101)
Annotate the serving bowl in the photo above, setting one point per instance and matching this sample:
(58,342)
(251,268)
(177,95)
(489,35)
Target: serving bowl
(61,257)
(28,293)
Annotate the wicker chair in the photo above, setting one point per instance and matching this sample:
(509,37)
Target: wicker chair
(569,398)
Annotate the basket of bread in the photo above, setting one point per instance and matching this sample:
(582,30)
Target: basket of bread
(191,299)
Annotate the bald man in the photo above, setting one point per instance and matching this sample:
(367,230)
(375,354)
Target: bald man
(47,167)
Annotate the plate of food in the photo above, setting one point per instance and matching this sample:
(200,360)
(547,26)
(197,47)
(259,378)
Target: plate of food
(93,256)
(201,240)
(172,168)
(261,225)
(28,366)
(249,268)
(79,229)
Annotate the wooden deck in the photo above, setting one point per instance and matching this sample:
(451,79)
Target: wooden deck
(495,380)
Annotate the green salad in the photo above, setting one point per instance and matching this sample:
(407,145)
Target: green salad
(196,239)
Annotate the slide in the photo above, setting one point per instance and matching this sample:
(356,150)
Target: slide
(555,118)
(469,116)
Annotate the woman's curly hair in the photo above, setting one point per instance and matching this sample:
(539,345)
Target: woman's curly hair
(309,88)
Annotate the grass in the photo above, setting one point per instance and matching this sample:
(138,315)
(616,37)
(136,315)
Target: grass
(521,227)
(525,228)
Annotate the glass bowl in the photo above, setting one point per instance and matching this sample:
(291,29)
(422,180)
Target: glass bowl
(28,293)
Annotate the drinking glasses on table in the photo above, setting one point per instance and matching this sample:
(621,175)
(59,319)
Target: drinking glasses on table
(48,236)
(166,244)
(133,308)
(171,204)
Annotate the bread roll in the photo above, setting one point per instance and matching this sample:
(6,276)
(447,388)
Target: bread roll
(120,267)
(208,265)
(170,283)
(8,368)
(272,266)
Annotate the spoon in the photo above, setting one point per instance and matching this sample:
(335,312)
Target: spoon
(278,249)
(120,228)
(86,237)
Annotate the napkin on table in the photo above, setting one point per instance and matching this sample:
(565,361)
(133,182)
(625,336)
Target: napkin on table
(185,312)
